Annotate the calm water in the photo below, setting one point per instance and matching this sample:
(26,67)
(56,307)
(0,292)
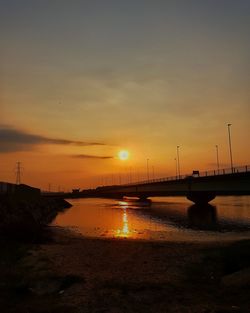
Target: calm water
(174,219)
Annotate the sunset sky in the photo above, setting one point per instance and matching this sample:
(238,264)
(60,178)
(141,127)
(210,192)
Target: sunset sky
(82,80)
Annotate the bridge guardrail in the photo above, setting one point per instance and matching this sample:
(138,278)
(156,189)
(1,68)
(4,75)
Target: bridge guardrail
(225,171)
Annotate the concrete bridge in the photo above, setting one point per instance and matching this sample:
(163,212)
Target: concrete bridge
(198,187)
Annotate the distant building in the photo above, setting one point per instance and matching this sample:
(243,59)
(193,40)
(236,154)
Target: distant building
(75,190)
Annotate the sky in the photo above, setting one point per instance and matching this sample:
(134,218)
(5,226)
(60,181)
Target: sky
(81,80)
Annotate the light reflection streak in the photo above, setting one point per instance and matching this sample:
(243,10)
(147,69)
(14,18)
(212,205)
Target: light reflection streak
(124,232)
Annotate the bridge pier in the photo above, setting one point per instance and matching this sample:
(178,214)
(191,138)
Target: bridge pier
(201,197)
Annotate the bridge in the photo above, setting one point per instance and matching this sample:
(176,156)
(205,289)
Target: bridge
(199,187)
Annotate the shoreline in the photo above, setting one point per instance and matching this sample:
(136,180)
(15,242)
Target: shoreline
(206,237)
(72,273)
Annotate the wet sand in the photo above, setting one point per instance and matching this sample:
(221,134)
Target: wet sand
(71,273)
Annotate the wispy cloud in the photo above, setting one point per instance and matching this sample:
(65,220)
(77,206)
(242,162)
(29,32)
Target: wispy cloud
(13,140)
(87,156)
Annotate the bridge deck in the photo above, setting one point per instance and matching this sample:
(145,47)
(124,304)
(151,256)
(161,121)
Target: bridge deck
(203,187)
(197,188)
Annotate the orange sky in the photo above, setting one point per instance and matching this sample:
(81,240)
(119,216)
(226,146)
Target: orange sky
(81,81)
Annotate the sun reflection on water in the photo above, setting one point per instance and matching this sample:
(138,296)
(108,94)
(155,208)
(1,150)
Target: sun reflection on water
(124,232)
(163,219)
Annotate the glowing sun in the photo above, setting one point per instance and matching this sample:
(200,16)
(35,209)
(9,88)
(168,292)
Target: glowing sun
(123,155)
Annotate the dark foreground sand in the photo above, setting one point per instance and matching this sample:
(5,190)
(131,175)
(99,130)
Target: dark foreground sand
(75,274)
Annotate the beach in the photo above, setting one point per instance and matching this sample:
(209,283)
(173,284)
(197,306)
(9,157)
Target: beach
(67,272)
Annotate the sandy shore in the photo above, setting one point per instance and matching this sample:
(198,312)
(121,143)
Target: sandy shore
(75,274)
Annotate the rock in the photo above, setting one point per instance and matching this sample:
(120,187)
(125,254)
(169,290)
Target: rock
(46,287)
(237,279)
(52,285)
(24,219)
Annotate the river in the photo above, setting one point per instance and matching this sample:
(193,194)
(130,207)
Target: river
(169,219)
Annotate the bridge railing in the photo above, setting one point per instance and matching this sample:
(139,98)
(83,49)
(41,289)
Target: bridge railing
(239,169)
(225,171)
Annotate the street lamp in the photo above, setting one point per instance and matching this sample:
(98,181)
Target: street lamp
(178,162)
(130,174)
(230,146)
(176,168)
(147,170)
(217,158)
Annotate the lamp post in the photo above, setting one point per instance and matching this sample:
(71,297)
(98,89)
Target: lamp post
(230,146)
(176,168)
(178,162)
(130,174)
(147,170)
(217,158)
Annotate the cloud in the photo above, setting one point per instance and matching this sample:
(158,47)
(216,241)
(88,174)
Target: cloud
(13,140)
(87,156)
